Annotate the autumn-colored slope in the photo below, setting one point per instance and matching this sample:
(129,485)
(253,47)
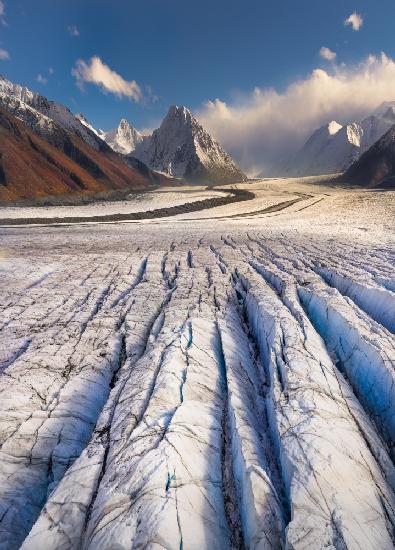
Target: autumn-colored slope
(30,167)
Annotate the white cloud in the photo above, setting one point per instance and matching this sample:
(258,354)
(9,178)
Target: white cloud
(267,125)
(41,79)
(97,72)
(50,70)
(327,54)
(73,30)
(355,20)
(4,55)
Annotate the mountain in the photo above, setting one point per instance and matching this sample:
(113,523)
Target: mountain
(384,107)
(30,167)
(123,139)
(376,167)
(75,138)
(182,148)
(333,148)
(84,121)
(56,112)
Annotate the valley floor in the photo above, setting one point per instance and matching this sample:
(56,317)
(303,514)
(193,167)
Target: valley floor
(217,379)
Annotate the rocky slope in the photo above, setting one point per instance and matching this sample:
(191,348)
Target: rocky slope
(376,167)
(333,148)
(56,112)
(30,167)
(182,148)
(73,137)
(87,124)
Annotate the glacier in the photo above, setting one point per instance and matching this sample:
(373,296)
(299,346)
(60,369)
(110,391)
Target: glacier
(214,379)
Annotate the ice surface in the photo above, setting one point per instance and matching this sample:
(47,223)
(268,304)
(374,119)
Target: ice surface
(221,379)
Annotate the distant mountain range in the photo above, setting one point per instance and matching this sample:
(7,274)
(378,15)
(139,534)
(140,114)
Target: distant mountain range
(180,148)
(68,151)
(46,150)
(123,139)
(333,148)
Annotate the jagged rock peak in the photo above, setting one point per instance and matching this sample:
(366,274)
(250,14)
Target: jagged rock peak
(182,148)
(124,138)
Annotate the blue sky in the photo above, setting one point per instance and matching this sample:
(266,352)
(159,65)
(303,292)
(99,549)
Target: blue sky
(185,52)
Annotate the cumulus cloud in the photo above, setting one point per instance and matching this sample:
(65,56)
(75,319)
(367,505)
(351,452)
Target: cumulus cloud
(73,30)
(327,54)
(266,125)
(355,20)
(97,72)
(41,79)
(4,55)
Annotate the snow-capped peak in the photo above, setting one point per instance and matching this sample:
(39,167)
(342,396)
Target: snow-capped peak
(124,124)
(354,132)
(182,148)
(124,138)
(179,115)
(334,127)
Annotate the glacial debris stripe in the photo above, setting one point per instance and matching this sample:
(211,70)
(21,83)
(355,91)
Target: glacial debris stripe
(211,391)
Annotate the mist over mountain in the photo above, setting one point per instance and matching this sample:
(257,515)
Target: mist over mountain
(267,125)
(333,148)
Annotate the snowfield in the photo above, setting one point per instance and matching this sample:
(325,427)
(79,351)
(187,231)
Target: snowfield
(218,379)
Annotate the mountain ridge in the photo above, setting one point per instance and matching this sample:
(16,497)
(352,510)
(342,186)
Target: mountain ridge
(27,116)
(30,167)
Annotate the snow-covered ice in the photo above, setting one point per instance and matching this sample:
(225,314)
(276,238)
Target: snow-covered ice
(217,379)
(139,202)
